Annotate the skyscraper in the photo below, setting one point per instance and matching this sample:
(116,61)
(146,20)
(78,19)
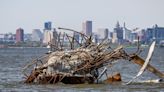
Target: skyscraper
(126,33)
(50,36)
(19,35)
(87,28)
(119,31)
(47,25)
(155,33)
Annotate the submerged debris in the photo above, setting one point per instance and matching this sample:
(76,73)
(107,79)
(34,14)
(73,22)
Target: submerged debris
(78,63)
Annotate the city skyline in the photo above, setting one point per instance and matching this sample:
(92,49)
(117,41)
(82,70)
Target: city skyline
(29,14)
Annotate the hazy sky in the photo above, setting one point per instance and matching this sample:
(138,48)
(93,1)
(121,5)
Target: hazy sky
(31,14)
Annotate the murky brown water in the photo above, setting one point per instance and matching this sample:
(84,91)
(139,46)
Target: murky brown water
(13,59)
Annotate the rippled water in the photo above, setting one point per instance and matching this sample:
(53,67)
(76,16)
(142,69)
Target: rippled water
(13,59)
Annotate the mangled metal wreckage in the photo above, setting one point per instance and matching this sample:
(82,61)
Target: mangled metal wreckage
(84,62)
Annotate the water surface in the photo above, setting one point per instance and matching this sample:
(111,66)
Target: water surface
(12,61)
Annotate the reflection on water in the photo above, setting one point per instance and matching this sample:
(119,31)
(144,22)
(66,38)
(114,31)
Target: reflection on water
(13,59)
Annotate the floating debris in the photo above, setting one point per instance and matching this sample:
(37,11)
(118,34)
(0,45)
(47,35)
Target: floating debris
(80,62)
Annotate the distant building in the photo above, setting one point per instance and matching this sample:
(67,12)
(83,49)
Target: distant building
(103,33)
(47,25)
(19,35)
(96,38)
(119,31)
(50,36)
(8,37)
(126,33)
(133,37)
(2,37)
(155,33)
(37,35)
(27,37)
(114,38)
(77,36)
(142,36)
(87,28)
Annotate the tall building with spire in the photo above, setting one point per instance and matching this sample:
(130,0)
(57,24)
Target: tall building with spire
(119,32)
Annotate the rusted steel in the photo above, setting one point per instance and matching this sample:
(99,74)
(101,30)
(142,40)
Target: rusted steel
(138,60)
(32,77)
(114,78)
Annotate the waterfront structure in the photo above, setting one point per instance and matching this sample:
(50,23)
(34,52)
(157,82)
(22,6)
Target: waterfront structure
(119,31)
(19,35)
(47,25)
(87,28)
(37,35)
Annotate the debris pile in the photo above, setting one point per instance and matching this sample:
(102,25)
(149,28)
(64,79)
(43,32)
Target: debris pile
(75,65)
